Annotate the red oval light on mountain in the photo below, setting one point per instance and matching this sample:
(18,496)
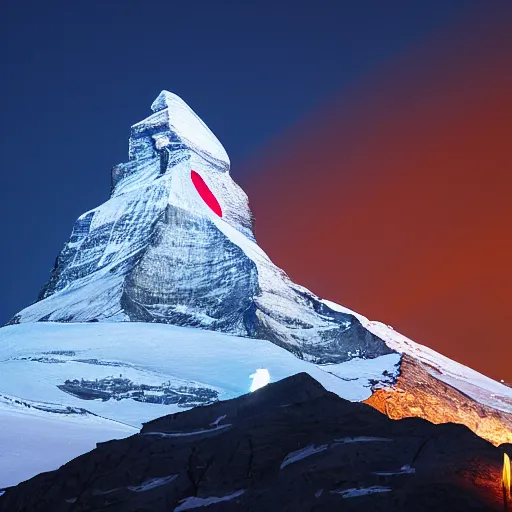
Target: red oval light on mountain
(205,193)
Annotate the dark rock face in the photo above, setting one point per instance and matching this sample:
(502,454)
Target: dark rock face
(187,278)
(291,446)
(119,388)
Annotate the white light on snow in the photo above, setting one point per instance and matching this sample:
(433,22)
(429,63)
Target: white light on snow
(260,378)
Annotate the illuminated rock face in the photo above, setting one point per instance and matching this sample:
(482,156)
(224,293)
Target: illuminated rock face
(174,244)
(416,393)
(438,389)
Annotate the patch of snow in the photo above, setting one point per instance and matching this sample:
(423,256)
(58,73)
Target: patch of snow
(361,439)
(184,434)
(404,470)
(217,421)
(383,369)
(195,502)
(355,493)
(302,454)
(260,378)
(153,483)
(161,141)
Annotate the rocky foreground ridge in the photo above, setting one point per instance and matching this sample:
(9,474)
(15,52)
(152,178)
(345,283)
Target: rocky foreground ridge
(290,446)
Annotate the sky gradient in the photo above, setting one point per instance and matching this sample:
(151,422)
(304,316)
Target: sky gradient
(395,198)
(372,140)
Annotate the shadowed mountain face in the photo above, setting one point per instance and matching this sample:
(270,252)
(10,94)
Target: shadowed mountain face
(289,446)
(175,244)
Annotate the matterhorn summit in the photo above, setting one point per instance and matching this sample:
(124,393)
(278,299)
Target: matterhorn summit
(161,300)
(175,244)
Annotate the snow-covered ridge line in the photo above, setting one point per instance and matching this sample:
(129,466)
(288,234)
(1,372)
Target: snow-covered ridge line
(312,449)
(481,388)
(187,434)
(302,454)
(186,125)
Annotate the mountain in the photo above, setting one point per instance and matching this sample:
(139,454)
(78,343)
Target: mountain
(291,446)
(162,300)
(175,244)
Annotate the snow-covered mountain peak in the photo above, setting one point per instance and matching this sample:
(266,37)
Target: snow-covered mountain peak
(176,123)
(163,100)
(175,244)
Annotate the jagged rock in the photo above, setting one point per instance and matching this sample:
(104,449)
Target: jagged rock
(291,446)
(418,393)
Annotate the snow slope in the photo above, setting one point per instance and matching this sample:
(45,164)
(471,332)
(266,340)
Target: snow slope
(32,442)
(156,353)
(35,358)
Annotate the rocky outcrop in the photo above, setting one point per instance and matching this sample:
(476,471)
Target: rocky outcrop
(417,393)
(291,446)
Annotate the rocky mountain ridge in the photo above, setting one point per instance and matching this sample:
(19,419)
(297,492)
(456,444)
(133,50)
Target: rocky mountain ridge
(291,446)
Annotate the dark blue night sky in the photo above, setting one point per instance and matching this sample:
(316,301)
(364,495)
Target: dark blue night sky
(76,75)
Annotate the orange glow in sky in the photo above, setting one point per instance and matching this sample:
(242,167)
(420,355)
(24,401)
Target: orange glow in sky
(395,200)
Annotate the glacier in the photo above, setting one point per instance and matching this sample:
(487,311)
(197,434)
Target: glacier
(42,426)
